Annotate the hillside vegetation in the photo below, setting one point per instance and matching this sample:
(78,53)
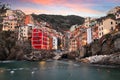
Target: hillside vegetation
(59,22)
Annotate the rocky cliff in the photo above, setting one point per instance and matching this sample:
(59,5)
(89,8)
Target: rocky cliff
(108,45)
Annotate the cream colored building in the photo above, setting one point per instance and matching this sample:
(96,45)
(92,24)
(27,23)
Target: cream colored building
(114,10)
(73,27)
(10,21)
(25,32)
(118,15)
(106,26)
(9,25)
(72,45)
(87,21)
(9,13)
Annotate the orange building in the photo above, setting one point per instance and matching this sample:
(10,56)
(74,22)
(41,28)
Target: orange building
(78,38)
(28,20)
(95,32)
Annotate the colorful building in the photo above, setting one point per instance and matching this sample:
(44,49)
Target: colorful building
(25,32)
(9,21)
(106,26)
(28,20)
(13,19)
(55,43)
(44,38)
(9,24)
(40,39)
(78,38)
(114,10)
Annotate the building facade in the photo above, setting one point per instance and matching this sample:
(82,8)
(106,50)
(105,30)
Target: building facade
(13,19)
(114,10)
(55,43)
(44,38)
(9,24)
(25,32)
(106,26)
(28,20)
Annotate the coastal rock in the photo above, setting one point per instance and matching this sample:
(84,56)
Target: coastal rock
(20,55)
(39,55)
(95,48)
(113,59)
(84,60)
(117,44)
(96,58)
(73,55)
(82,52)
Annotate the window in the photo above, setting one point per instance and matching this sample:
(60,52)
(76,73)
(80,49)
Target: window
(101,23)
(111,22)
(102,28)
(102,33)
(112,28)
(99,29)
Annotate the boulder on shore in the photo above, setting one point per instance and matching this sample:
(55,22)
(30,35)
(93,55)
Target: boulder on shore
(113,59)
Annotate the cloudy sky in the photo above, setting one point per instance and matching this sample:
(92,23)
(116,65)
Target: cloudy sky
(84,8)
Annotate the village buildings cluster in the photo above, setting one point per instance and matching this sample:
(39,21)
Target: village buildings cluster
(43,37)
(93,29)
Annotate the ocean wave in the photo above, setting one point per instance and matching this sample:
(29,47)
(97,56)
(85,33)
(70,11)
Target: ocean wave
(9,61)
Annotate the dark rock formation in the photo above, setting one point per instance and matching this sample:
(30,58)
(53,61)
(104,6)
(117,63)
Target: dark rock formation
(39,55)
(108,45)
(73,55)
(82,52)
(113,59)
(95,48)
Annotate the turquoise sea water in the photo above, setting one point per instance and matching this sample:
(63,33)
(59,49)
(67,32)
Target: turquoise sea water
(56,70)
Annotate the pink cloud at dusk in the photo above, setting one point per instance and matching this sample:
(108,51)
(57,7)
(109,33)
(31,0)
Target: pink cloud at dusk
(65,7)
(32,10)
(41,11)
(82,8)
(67,4)
(46,2)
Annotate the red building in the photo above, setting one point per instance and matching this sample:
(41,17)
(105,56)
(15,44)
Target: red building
(40,39)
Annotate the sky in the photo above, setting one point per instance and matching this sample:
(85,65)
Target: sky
(84,8)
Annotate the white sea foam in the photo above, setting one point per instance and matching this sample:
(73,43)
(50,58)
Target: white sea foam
(6,61)
(12,72)
(21,68)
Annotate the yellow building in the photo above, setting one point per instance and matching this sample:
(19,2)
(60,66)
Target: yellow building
(106,26)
